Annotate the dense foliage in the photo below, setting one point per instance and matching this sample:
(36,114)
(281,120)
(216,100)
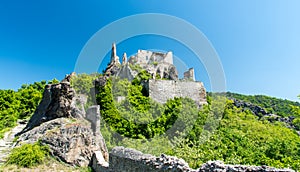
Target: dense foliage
(82,83)
(270,104)
(133,117)
(240,137)
(28,155)
(19,104)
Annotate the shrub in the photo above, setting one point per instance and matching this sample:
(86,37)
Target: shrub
(28,155)
(296,123)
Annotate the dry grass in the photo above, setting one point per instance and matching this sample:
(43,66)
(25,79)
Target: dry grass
(50,165)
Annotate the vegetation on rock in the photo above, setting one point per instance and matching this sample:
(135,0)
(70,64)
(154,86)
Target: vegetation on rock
(273,105)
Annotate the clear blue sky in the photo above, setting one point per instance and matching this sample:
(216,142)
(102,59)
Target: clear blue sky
(258,41)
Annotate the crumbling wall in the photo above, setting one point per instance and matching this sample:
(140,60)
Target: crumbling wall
(129,160)
(189,75)
(172,88)
(148,57)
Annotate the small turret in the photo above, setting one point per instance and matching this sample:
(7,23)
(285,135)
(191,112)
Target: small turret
(124,59)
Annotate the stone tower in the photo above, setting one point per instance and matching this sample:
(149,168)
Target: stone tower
(114,59)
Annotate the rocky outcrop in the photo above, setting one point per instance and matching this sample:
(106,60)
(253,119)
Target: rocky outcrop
(61,123)
(264,115)
(129,160)
(257,110)
(59,100)
(70,141)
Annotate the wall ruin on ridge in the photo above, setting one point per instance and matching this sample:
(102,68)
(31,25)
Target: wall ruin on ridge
(172,88)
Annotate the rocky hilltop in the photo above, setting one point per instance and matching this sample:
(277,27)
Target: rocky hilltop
(72,132)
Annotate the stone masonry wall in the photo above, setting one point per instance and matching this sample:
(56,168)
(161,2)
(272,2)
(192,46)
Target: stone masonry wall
(162,90)
(129,160)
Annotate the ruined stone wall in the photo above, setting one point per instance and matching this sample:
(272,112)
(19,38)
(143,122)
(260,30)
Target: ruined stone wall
(162,90)
(147,57)
(129,160)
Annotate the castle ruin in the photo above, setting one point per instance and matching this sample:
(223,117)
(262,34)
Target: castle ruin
(164,75)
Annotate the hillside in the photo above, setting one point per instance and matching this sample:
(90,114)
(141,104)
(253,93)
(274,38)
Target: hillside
(241,137)
(87,120)
(281,107)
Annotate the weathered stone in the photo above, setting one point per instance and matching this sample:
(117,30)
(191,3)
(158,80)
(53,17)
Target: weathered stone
(61,123)
(124,59)
(72,141)
(126,72)
(159,65)
(129,160)
(258,111)
(93,116)
(220,166)
(171,89)
(59,100)
(189,75)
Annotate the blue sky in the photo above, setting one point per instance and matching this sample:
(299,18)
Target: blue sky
(258,41)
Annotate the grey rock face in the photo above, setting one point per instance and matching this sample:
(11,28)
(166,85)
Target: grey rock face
(258,111)
(60,123)
(126,72)
(93,116)
(71,141)
(59,100)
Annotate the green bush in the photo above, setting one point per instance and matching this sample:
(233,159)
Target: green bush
(19,104)
(28,155)
(241,139)
(138,116)
(82,83)
(296,123)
